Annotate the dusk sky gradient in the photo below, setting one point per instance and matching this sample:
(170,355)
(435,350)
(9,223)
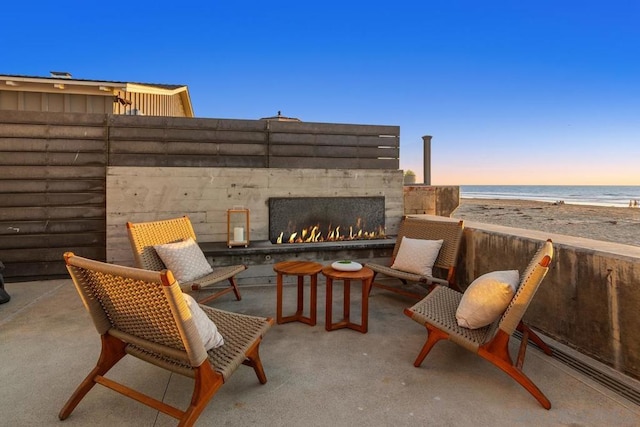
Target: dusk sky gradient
(544,92)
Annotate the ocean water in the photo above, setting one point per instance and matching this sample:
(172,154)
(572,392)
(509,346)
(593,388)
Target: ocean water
(597,195)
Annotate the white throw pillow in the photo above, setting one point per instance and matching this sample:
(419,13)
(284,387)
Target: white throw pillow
(417,256)
(487,298)
(207,330)
(185,260)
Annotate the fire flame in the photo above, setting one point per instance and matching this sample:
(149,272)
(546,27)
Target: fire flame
(313,234)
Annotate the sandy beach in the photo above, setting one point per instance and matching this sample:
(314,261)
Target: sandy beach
(619,225)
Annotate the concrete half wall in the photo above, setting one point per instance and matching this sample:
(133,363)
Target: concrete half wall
(589,299)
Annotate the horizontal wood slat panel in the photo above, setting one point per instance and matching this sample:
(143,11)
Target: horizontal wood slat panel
(53,145)
(53,199)
(53,169)
(50,185)
(51,212)
(330,163)
(332,151)
(177,148)
(62,240)
(186,135)
(51,226)
(51,131)
(35,158)
(332,128)
(121,121)
(53,172)
(333,140)
(157,160)
(29,271)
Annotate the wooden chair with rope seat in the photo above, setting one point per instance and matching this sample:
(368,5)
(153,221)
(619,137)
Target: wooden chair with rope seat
(145,314)
(443,311)
(434,241)
(174,241)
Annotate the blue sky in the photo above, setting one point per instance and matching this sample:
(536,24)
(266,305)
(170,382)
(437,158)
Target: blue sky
(513,92)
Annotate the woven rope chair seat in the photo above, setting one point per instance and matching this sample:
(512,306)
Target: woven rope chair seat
(450,232)
(240,331)
(439,309)
(403,275)
(218,275)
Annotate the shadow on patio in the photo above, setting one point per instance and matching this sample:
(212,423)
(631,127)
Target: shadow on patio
(315,378)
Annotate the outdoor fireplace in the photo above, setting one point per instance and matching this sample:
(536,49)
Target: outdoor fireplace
(324,219)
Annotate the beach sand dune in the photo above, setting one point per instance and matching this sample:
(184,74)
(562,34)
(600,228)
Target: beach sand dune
(609,224)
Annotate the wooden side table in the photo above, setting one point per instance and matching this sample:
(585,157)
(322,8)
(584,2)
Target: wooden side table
(300,269)
(365,275)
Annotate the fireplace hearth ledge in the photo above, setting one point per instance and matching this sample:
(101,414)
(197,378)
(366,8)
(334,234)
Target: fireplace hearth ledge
(261,256)
(264,247)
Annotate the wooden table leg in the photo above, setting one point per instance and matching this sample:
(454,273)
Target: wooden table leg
(329,305)
(279,298)
(300,296)
(347,302)
(366,288)
(314,299)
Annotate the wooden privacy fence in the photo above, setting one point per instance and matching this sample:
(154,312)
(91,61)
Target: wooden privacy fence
(53,169)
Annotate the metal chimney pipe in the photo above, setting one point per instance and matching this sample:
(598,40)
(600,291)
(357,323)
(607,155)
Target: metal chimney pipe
(426,165)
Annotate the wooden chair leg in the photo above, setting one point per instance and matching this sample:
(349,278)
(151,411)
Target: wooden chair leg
(534,338)
(207,383)
(253,360)
(111,353)
(434,336)
(234,285)
(497,352)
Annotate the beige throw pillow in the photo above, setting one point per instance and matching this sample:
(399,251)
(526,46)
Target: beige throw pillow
(207,330)
(417,256)
(185,260)
(487,298)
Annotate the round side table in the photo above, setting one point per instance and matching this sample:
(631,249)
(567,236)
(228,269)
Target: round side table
(300,269)
(365,275)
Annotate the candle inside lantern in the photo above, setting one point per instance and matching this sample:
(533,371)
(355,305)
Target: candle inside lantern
(238,234)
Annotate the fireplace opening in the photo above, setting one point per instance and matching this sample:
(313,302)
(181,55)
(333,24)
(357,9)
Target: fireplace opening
(323,219)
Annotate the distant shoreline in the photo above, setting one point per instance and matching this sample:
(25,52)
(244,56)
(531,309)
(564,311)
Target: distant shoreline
(591,195)
(546,202)
(606,223)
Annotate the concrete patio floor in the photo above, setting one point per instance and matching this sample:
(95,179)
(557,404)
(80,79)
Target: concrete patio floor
(315,378)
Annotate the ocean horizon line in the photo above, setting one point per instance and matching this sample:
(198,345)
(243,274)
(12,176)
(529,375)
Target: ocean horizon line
(592,195)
